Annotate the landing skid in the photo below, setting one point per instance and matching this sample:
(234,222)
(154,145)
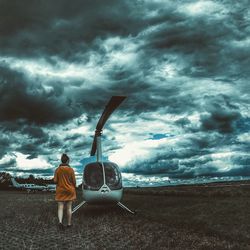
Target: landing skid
(78,206)
(119,204)
(125,208)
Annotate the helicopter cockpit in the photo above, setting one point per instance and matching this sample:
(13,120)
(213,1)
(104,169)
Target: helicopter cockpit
(93,176)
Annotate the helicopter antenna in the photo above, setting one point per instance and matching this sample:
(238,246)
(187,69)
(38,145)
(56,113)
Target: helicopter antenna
(113,103)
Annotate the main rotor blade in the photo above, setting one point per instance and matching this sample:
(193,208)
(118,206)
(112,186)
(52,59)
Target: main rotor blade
(113,103)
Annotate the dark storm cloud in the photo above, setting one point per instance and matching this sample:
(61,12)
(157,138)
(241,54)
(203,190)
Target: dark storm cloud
(243,124)
(189,168)
(220,120)
(182,122)
(243,159)
(79,145)
(147,97)
(22,99)
(35,132)
(193,38)
(60,28)
(173,167)
(222,115)
(194,157)
(209,45)
(203,41)
(9,164)
(55,142)
(30,148)
(4,145)
(240,171)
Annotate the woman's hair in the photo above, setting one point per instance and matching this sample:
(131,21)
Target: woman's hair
(64,158)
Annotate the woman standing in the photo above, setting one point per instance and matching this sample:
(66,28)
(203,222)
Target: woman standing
(65,189)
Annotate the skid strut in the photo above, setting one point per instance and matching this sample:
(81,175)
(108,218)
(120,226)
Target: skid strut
(125,208)
(119,204)
(78,206)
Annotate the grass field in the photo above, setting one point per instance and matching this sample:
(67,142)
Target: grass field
(188,217)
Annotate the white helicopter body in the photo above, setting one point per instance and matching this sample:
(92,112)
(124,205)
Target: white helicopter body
(102,181)
(28,187)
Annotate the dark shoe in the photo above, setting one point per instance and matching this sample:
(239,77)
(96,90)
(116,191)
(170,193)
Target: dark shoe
(61,226)
(69,226)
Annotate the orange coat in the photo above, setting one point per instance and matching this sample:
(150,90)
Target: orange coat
(65,183)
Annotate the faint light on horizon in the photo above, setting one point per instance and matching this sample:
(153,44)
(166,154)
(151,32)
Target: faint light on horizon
(22,162)
(134,151)
(62,69)
(130,179)
(202,8)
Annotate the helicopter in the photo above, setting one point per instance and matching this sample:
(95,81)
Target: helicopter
(27,187)
(102,181)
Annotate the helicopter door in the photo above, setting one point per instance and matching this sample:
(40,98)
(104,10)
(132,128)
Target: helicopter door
(93,176)
(112,176)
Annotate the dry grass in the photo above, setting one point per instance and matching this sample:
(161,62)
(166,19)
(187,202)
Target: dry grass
(167,218)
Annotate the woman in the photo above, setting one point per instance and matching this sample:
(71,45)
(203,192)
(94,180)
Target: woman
(65,189)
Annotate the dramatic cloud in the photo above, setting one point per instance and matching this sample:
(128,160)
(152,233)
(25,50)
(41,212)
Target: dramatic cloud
(183,65)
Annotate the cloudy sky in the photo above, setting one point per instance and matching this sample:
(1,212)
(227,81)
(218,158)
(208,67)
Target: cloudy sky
(183,65)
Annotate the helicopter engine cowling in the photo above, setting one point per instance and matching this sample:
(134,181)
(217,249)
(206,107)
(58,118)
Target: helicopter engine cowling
(102,183)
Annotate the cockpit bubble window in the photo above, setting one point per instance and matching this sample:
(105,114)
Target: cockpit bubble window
(93,176)
(112,176)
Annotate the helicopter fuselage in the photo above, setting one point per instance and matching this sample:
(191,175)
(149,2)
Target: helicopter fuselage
(102,183)
(102,196)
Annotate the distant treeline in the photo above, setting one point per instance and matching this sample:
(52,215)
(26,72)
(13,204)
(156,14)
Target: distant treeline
(33,180)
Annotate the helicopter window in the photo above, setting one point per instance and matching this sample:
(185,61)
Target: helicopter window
(112,176)
(93,176)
